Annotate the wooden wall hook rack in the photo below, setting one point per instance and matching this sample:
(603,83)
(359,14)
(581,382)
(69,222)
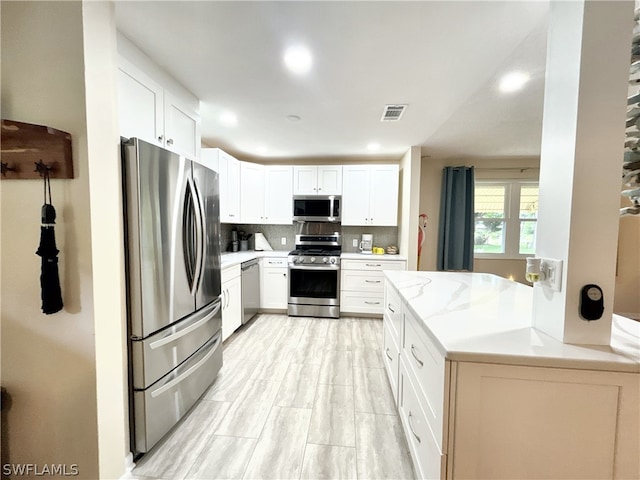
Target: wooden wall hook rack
(23,145)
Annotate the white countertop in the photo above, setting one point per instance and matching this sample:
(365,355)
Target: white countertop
(229,259)
(371,256)
(484,318)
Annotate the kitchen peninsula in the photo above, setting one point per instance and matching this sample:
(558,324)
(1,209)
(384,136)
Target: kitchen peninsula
(481,394)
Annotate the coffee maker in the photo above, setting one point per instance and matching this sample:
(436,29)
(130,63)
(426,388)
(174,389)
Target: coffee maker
(366,244)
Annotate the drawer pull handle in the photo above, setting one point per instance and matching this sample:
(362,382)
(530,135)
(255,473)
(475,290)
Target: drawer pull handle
(411,428)
(388,354)
(413,352)
(372,281)
(392,310)
(373,265)
(372,303)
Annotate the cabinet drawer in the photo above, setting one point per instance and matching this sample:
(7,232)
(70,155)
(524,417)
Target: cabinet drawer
(427,365)
(363,281)
(229,273)
(269,262)
(372,264)
(428,460)
(393,311)
(391,358)
(361,302)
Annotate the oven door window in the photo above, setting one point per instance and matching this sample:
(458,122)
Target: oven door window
(313,283)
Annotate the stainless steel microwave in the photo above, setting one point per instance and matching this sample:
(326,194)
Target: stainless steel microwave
(317,208)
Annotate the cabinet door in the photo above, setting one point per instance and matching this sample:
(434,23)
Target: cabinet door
(278,202)
(274,288)
(355,194)
(140,105)
(383,196)
(233,189)
(181,127)
(232,303)
(330,180)
(252,193)
(305,180)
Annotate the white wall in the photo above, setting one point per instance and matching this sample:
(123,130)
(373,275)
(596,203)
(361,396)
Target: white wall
(106,236)
(65,372)
(409,206)
(48,362)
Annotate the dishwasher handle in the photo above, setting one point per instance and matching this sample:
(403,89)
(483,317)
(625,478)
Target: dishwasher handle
(248,264)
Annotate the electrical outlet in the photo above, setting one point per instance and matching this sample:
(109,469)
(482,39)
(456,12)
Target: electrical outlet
(553,273)
(283,241)
(355,243)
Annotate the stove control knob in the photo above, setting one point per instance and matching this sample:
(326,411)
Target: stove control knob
(312,259)
(333,260)
(297,259)
(325,260)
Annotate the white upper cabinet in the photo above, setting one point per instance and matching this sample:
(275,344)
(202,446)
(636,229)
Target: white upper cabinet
(228,169)
(317,180)
(370,195)
(252,192)
(278,199)
(152,113)
(266,193)
(140,102)
(181,127)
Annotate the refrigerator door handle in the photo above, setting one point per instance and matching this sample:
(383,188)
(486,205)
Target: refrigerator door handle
(181,333)
(200,225)
(193,231)
(212,346)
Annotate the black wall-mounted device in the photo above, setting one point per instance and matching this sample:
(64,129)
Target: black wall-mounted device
(591,302)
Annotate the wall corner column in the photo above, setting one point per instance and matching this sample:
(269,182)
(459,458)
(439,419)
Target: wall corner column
(587,76)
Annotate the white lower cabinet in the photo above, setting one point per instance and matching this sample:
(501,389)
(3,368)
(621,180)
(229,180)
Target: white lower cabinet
(428,459)
(362,284)
(231,300)
(391,358)
(274,283)
(465,419)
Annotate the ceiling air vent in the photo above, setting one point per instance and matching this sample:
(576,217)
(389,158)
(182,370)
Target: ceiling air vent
(393,113)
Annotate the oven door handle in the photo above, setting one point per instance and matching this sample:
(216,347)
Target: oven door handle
(318,267)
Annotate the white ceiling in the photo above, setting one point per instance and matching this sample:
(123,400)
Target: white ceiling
(443,59)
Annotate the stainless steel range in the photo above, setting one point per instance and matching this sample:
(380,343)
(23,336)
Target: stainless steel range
(314,272)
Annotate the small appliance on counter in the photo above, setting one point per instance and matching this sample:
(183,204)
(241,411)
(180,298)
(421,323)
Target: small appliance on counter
(366,244)
(262,244)
(235,244)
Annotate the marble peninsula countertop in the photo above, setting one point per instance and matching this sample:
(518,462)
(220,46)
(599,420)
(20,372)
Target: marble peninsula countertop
(485,318)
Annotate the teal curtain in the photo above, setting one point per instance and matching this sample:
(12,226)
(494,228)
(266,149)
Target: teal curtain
(455,234)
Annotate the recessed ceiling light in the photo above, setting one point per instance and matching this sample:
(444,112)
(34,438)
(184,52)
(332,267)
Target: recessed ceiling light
(229,119)
(294,118)
(373,147)
(298,59)
(513,81)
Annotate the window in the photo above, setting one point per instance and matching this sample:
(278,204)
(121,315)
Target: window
(506,213)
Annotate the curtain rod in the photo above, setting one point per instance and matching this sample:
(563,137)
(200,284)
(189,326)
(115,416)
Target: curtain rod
(522,169)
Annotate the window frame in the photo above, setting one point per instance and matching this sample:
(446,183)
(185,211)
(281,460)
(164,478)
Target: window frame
(512,220)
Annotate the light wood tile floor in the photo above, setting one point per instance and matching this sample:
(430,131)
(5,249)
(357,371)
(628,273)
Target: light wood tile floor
(297,398)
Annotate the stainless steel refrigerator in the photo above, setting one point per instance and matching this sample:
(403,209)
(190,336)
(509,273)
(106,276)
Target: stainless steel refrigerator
(172,228)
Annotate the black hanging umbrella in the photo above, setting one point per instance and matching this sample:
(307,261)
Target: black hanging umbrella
(49,279)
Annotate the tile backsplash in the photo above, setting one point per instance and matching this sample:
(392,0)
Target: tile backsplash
(382,236)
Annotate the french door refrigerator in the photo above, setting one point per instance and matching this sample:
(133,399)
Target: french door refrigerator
(172,230)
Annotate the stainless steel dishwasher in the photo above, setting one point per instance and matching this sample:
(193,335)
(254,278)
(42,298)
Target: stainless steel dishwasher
(250,289)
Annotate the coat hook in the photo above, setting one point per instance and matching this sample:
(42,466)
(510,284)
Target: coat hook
(42,168)
(6,168)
